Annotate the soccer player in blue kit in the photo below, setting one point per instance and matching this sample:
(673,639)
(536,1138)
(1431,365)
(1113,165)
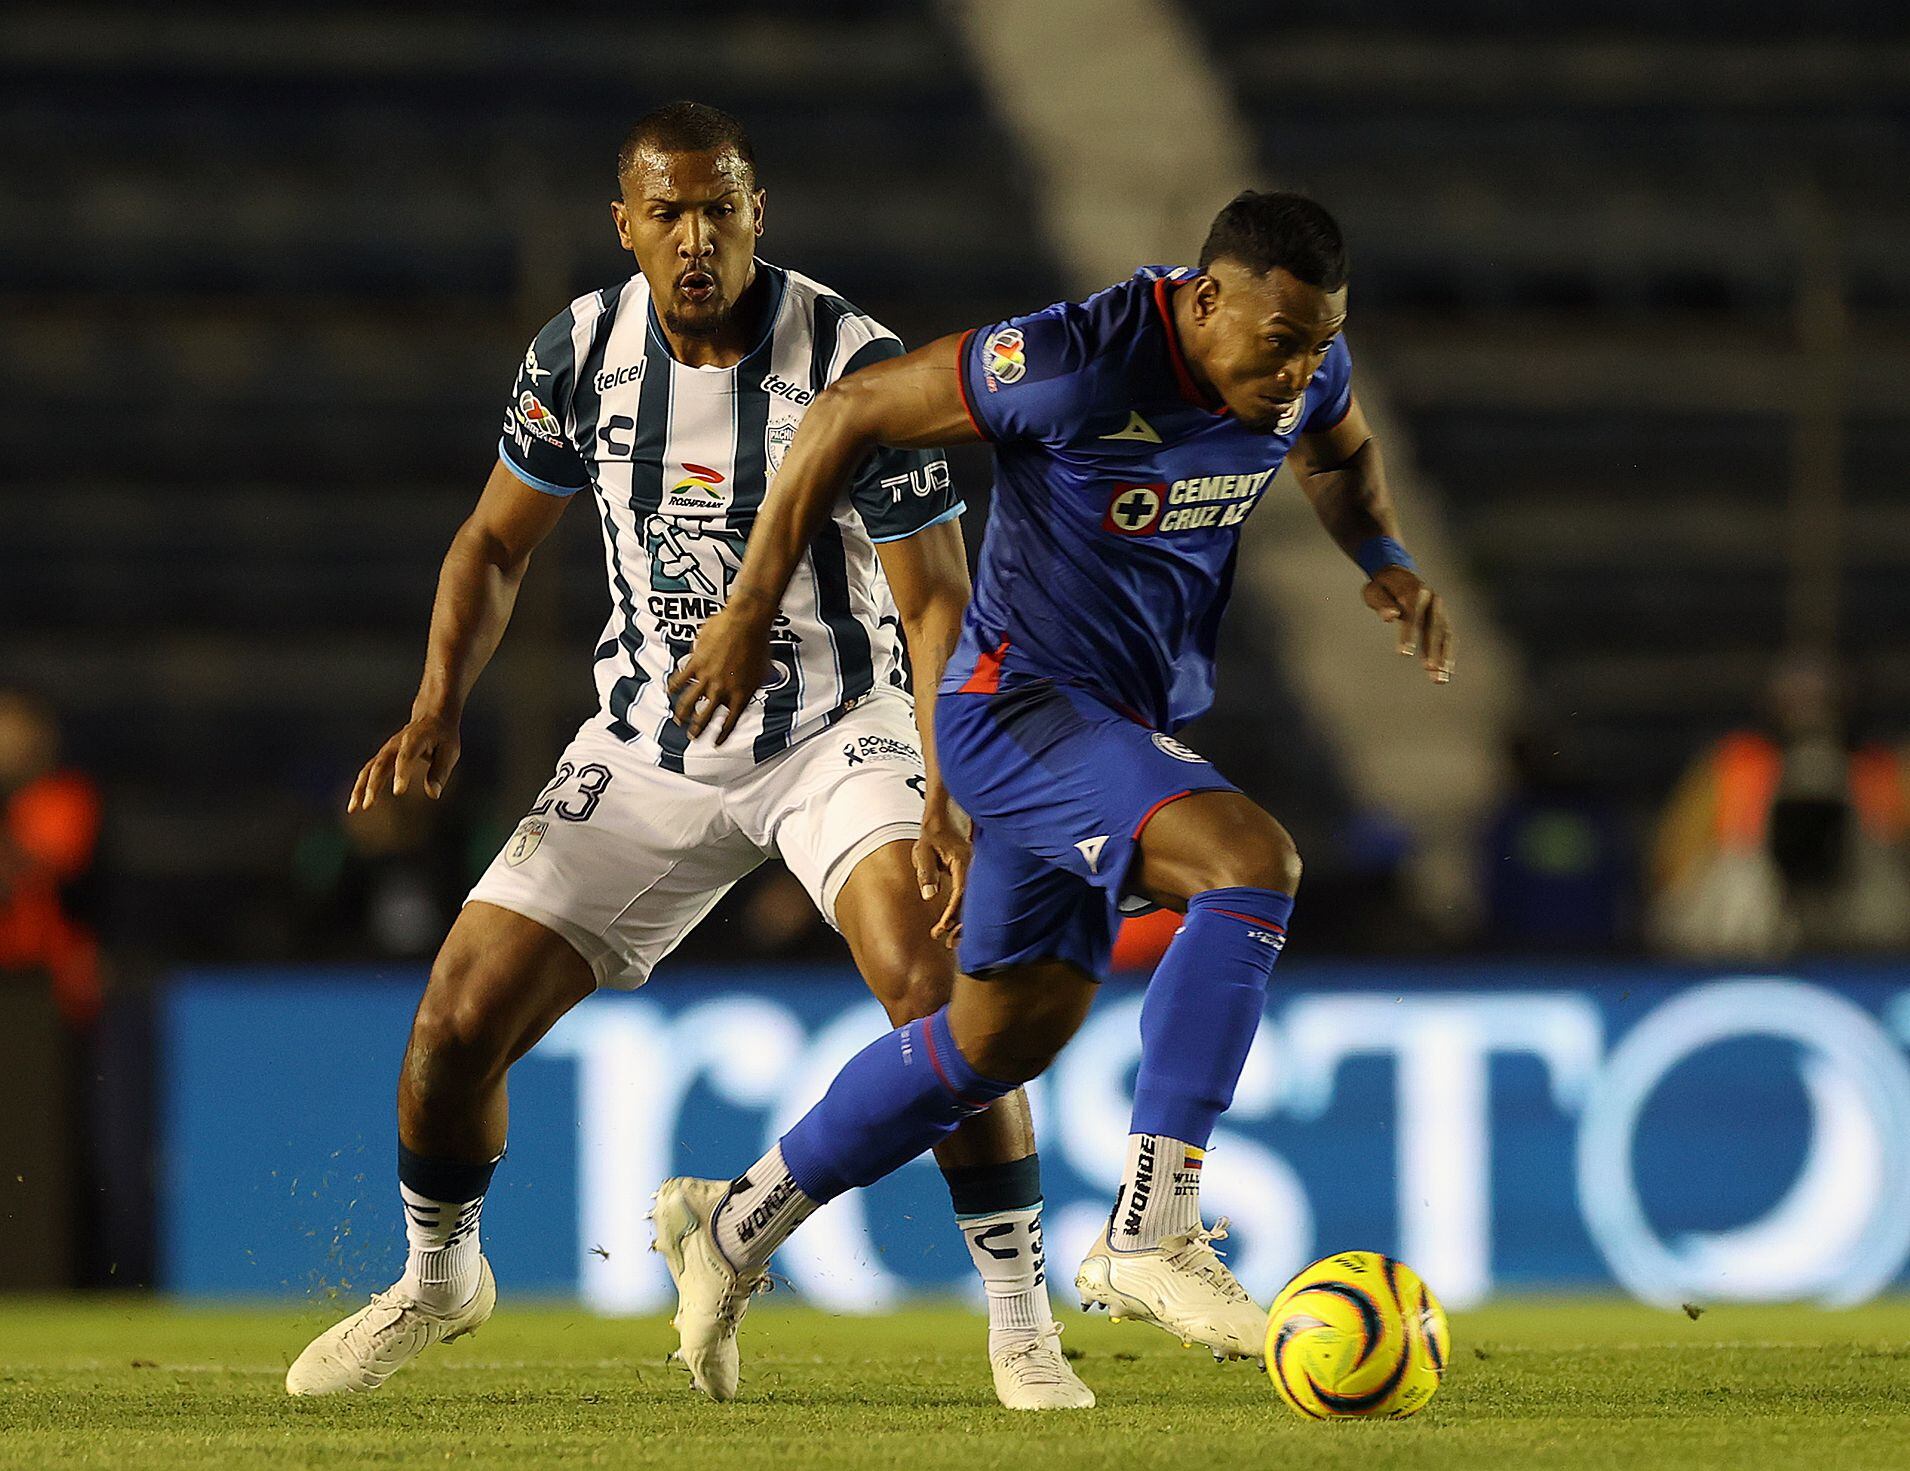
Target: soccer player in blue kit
(1134,434)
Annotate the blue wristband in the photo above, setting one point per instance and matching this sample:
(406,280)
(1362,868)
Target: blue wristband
(1377,552)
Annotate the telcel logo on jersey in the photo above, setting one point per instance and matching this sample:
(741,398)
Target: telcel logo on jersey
(780,386)
(611,378)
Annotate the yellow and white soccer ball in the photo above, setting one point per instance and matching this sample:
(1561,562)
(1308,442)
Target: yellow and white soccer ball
(1357,1335)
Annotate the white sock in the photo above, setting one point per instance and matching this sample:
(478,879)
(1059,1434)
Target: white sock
(764,1205)
(1006,1248)
(1160,1193)
(441,1270)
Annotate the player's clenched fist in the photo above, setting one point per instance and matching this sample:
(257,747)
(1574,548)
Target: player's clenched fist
(425,750)
(1398,596)
(723,671)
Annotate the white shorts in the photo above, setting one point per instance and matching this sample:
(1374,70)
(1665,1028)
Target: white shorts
(622,858)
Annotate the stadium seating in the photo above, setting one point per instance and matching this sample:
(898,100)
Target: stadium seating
(264,299)
(1577,264)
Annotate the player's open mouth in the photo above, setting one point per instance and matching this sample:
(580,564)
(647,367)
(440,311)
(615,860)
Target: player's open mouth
(696,286)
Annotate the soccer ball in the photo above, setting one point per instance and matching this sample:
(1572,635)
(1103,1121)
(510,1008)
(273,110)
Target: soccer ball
(1357,1335)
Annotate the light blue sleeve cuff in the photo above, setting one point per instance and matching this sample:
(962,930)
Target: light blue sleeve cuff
(504,454)
(949,515)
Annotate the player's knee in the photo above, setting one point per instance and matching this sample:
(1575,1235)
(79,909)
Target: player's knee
(1260,855)
(458,1037)
(1016,1046)
(911,980)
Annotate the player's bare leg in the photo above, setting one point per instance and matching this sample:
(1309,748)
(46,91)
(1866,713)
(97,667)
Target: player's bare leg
(989,1163)
(500,982)
(1232,869)
(903,1094)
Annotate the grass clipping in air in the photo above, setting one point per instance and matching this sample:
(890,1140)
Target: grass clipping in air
(115,1382)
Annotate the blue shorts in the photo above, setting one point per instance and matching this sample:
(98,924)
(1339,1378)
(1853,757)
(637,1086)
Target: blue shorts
(1059,785)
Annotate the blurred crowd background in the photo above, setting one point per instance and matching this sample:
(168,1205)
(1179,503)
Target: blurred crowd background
(1631,290)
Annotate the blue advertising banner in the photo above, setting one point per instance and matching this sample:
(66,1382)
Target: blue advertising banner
(1674,1134)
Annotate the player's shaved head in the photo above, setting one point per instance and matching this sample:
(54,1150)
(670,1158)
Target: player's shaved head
(691,213)
(1279,231)
(687,127)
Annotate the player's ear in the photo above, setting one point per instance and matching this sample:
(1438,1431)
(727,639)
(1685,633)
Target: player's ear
(756,202)
(1206,296)
(622,217)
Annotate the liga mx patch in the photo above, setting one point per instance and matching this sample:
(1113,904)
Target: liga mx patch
(538,419)
(1004,360)
(530,832)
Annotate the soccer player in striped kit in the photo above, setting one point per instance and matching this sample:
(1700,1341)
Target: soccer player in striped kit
(671,399)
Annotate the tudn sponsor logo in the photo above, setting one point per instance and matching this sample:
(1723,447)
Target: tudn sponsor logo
(752,1224)
(611,378)
(780,386)
(1143,1190)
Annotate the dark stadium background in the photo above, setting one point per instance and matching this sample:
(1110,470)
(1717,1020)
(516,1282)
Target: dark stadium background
(1632,280)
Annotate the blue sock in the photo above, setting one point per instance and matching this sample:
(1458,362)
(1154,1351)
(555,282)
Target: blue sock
(897,1097)
(1202,1008)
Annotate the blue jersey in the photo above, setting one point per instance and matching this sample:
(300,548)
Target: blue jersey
(1120,491)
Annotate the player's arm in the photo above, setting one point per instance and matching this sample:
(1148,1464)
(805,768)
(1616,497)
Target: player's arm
(1342,472)
(928,577)
(909,402)
(477,589)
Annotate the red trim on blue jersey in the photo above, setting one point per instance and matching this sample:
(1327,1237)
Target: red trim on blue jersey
(1189,390)
(1339,421)
(961,380)
(986,679)
(1148,816)
(1255,921)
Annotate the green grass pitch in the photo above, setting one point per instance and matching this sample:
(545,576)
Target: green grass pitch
(132,1382)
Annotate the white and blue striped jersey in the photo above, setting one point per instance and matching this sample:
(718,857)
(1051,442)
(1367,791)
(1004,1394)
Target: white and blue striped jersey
(679,458)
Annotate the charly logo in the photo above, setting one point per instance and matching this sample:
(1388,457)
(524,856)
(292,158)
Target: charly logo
(1290,417)
(538,419)
(531,370)
(530,832)
(1004,359)
(1175,749)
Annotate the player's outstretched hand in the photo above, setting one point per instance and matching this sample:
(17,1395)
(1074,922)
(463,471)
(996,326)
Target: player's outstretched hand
(1398,596)
(723,671)
(425,750)
(941,865)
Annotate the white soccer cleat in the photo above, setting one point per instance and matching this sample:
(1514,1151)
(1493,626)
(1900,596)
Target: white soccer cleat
(711,1297)
(1181,1286)
(366,1349)
(1036,1375)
